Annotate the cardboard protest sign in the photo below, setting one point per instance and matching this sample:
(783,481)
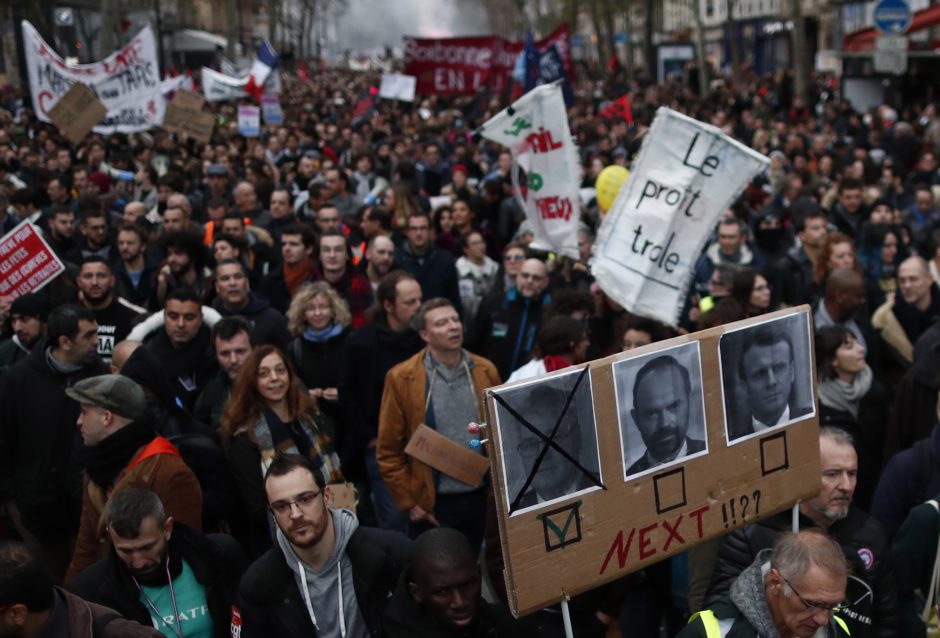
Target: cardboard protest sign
(249,120)
(536,129)
(686,176)
(127,81)
(343,496)
(77,112)
(436,450)
(184,116)
(26,261)
(396,86)
(271,109)
(188,99)
(602,469)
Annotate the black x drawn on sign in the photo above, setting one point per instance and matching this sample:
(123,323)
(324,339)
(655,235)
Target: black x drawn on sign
(548,442)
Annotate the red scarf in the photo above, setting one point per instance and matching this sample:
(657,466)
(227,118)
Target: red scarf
(294,276)
(553,363)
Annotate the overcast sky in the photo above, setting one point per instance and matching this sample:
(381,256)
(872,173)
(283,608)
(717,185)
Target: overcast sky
(374,24)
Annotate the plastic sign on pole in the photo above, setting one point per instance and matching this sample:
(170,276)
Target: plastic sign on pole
(892,16)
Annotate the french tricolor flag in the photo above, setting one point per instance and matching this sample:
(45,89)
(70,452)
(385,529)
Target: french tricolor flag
(266,60)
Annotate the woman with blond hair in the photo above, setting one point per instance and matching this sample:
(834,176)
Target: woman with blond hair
(269,412)
(319,319)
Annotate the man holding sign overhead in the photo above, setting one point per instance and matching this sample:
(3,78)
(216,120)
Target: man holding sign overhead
(438,387)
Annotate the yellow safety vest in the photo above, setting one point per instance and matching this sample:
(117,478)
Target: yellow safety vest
(710,623)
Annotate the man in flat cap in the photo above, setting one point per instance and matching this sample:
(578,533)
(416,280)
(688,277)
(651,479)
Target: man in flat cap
(122,451)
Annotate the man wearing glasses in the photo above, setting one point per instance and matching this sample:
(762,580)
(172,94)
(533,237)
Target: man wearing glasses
(796,590)
(871,595)
(326,576)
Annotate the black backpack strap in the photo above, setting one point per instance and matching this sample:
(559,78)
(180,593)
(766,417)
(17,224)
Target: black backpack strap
(922,471)
(102,621)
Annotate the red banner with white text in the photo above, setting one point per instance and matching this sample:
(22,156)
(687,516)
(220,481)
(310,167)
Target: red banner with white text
(465,66)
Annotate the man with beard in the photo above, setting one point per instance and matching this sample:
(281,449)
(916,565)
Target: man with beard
(380,255)
(439,595)
(371,352)
(661,400)
(161,573)
(871,596)
(134,273)
(439,386)
(233,342)
(28,315)
(95,238)
(121,452)
(61,230)
(115,315)
(326,576)
(185,258)
(183,346)
(39,474)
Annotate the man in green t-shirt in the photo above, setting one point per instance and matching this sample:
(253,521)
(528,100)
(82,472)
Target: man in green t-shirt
(162,573)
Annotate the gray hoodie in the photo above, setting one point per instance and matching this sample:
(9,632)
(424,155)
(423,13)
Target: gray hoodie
(747,594)
(329,593)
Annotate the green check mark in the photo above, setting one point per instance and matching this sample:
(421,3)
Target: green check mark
(561,533)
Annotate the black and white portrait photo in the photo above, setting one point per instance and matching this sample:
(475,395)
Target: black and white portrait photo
(766,376)
(661,408)
(529,481)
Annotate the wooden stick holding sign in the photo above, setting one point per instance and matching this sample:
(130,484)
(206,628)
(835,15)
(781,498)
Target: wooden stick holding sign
(436,450)
(77,112)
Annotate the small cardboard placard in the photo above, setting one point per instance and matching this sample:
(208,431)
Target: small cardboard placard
(435,449)
(396,86)
(343,496)
(602,469)
(188,100)
(77,112)
(192,122)
(26,261)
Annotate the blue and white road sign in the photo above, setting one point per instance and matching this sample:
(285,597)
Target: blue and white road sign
(892,16)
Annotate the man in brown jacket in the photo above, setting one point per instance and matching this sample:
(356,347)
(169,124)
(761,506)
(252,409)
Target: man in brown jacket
(122,451)
(31,606)
(441,387)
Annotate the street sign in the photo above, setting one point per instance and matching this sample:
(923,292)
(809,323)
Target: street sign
(891,54)
(892,16)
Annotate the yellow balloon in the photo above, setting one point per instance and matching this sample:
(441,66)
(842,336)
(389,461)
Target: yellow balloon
(608,183)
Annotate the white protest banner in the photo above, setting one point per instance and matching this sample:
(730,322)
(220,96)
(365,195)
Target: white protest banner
(249,120)
(127,81)
(685,177)
(397,86)
(536,129)
(218,87)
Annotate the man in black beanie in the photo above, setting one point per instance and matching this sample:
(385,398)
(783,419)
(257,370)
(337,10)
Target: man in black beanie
(28,316)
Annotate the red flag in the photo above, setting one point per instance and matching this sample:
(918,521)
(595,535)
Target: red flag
(619,108)
(613,63)
(302,71)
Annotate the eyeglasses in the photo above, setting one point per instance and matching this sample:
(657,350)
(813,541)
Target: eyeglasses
(814,607)
(514,258)
(302,501)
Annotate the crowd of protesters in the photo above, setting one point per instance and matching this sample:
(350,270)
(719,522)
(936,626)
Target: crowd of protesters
(249,332)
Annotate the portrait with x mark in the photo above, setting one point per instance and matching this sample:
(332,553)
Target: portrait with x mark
(548,440)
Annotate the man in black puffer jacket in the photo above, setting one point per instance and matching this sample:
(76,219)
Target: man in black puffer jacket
(871,595)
